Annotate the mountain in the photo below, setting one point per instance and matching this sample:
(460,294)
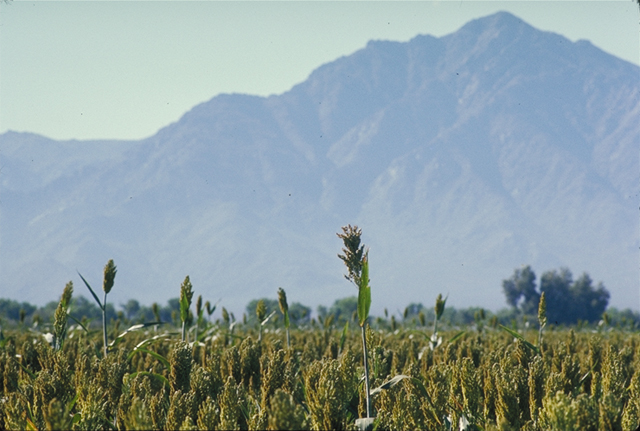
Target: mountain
(461,158)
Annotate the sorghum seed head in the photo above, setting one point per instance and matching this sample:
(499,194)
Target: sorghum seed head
(109,276)
(282,300)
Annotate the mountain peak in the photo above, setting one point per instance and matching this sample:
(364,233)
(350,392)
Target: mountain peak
(461,158)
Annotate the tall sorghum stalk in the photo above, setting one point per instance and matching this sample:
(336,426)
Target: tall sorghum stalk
(107,285)
(542,317)
(227,322)
(439,309)
(284,308)
(261,313)
(364,302)
(357,262)
(60,317)
(199,315)
(353,252)
(186,294)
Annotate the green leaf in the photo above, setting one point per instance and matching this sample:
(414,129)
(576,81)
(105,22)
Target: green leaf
(186,294)
(184,308)
(72,403)
(286,319)
(30,373)
(521,338)
(158,356)
(417,332)
(92,292)
(78,322)
(208,332)
(264,322)
(132,329)
(146,342)
(389,384)
(364,292)
(457,336)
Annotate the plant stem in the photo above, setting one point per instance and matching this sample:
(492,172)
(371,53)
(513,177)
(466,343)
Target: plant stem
(366,370)
(288,339)
(104,323)
(184,329)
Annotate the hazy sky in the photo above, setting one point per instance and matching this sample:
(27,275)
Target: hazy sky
(122,70)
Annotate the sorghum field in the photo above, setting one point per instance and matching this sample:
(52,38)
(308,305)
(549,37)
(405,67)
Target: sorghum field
(152,380)
(274,375)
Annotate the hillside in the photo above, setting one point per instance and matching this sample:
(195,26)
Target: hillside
(461,157)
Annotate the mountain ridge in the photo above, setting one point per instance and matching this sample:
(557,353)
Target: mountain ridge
(461,157)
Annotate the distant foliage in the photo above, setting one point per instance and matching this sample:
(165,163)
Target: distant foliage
(342,310)
(11,309)
(568,301)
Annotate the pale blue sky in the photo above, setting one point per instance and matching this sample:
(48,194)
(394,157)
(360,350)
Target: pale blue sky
(122,70)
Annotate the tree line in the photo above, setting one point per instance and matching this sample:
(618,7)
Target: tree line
(568,301)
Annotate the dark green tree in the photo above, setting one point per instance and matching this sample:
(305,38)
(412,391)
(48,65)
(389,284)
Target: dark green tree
(131,309)
(522,285)
(567,301)
(299,314)
(10,309)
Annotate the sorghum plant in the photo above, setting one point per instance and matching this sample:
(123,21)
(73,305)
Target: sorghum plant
(60,317)
(186,293)
(357,261)
(439,309)
(284,308)
(542,317)
(261,312)
(107,285)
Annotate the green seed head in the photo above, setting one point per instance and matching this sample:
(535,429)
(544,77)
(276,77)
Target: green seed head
(199,305)
(225,315)
(186,294)
(282,300)
(109,276)
(261,310)
(181,361)
(60,316)
(439,308)
(423,319)
(210,310)
(542,311)
(156,311)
